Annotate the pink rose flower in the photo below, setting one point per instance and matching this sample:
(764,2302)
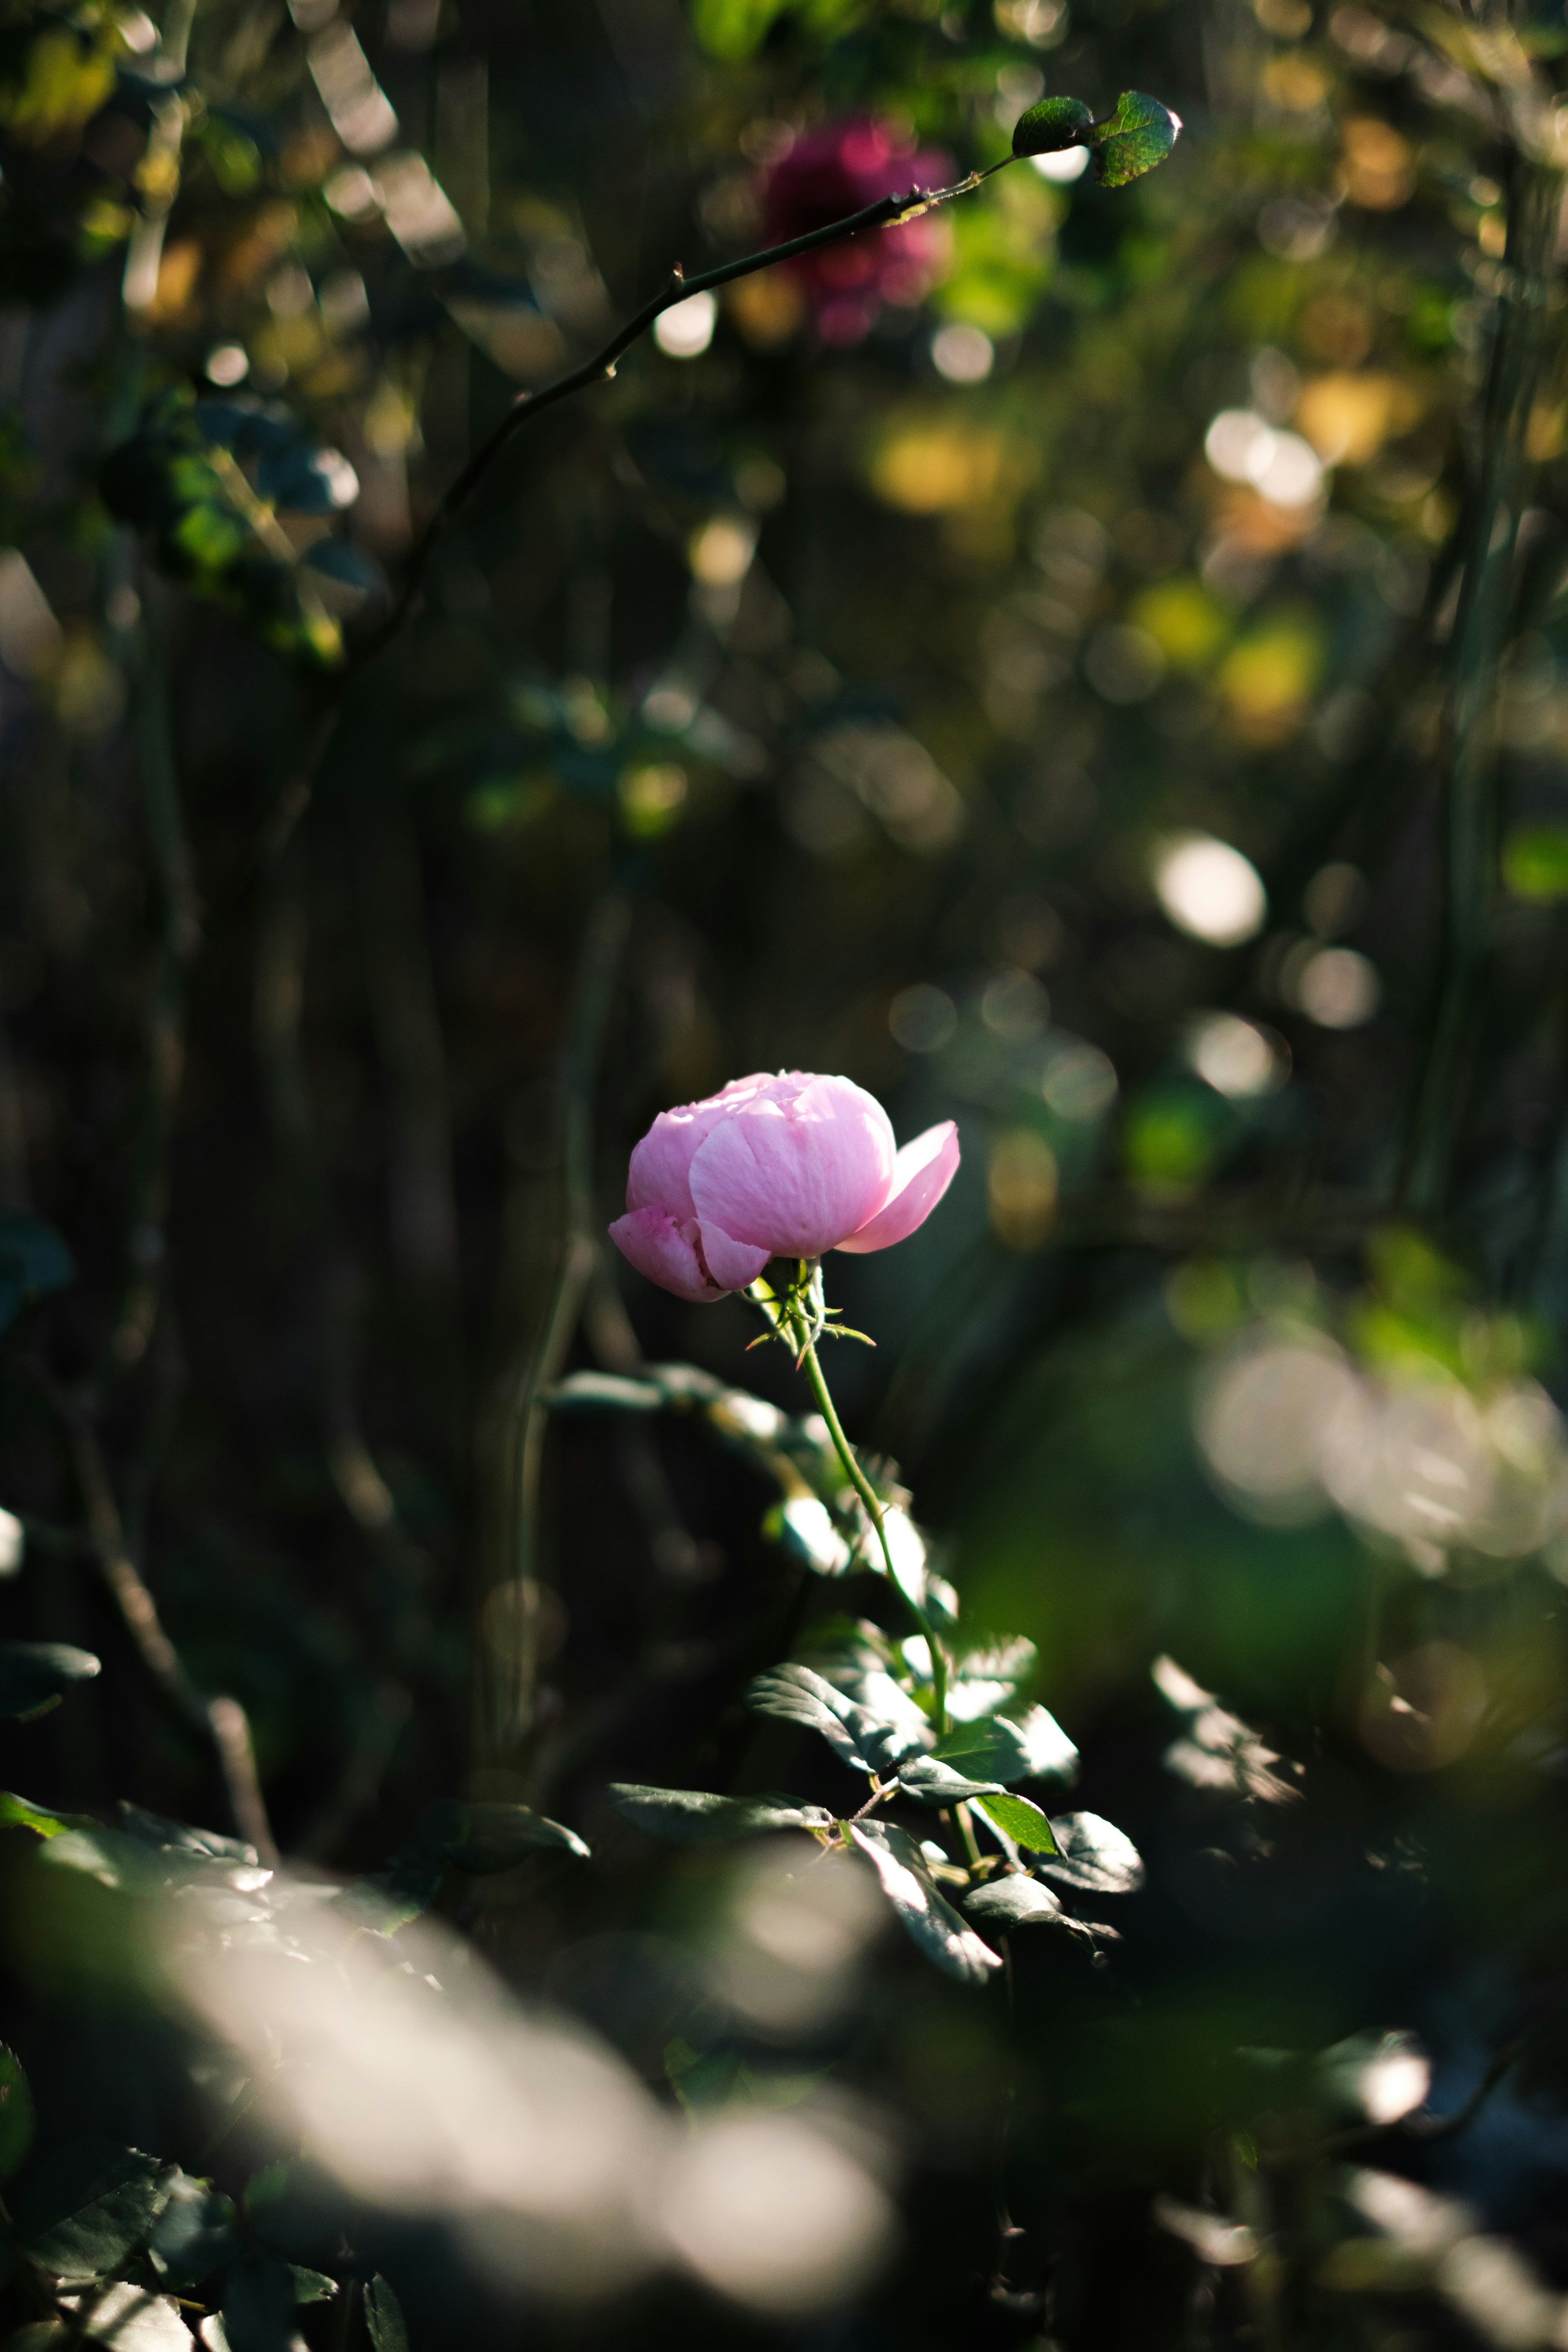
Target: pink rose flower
(830,173)
(773,1166)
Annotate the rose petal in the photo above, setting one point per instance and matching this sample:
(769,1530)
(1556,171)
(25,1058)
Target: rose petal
(731,1263)
(665,1252)
(659,1173)
(797,1166)
(921,1174)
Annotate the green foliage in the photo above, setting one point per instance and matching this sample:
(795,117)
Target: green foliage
(1017,1818)
(86,2206)
(926,1916)
(1053,123)
(1138,136)
(208,482)
(1535,863)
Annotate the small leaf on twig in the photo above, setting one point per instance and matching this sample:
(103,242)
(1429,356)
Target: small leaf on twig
(1017,1818)
(1139,135)
(1053,125)
(1013,1902)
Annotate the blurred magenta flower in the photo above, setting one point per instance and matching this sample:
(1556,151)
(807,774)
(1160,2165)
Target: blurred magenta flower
(773,1166)
(832,173)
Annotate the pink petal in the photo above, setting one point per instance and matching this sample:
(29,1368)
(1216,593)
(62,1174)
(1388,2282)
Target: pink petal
(731,1263)
(665,1252)
(797,1166)
(659,1173)
(921,1174)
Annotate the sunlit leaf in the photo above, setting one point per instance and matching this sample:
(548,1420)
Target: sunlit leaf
(133,2319)
(693,1817)
(1033,1747)
(1019,1819)
(87,2206)
(1139,135)
(20,1813)
(1053,125)
(932,1782)
(16,2112)
(35,1676)
(604,1393)
(1013,1902)
(795,1695)
(930,1919)
(311,2286)
(384,2318)
(1094,1854)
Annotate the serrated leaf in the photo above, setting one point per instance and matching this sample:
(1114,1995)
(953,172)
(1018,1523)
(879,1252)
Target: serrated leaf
(1051,125)
(384,2318)
(88,2206)
(1013,1902)
(927,1916)
(795,1694)
(311,2286)
(34,1261)
(693,1817)
(16,2112)
(195,2232)
(35,1675)
(932,1782)
(1019,1819)
(997,1748)
(1094,1854)
(1139,135)
(259,2305)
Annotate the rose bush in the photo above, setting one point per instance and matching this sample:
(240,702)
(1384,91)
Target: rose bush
(773,1166)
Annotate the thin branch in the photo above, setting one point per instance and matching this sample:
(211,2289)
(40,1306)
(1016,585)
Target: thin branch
(887,211)
(220,1719)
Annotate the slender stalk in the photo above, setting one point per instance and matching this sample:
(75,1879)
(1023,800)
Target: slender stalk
(1468,750)
(868,1496)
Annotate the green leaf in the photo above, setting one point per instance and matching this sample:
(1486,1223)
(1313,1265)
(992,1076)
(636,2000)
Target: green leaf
(1139,135)
(34,1261)
(926,1917)
(866,1741)
(311,2286)
(1092,1854)
(1013,1902)
(35,1675)
(1017,1818)
(1035,1747)
(733,28)
(16,2112)
(259,2305)
(195,2232)
(19,1813)
(88,2206)
(1053,125)
(135,2319)
(384,2318)
(693,1817)
(930,1781)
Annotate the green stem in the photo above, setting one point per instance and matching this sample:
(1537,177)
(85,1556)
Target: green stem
(868,1496)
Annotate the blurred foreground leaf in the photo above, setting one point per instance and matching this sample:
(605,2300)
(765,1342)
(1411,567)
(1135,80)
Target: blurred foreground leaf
(195,2232)
(693,1817)
(20,1813)
(35,1675)
(259,2305)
